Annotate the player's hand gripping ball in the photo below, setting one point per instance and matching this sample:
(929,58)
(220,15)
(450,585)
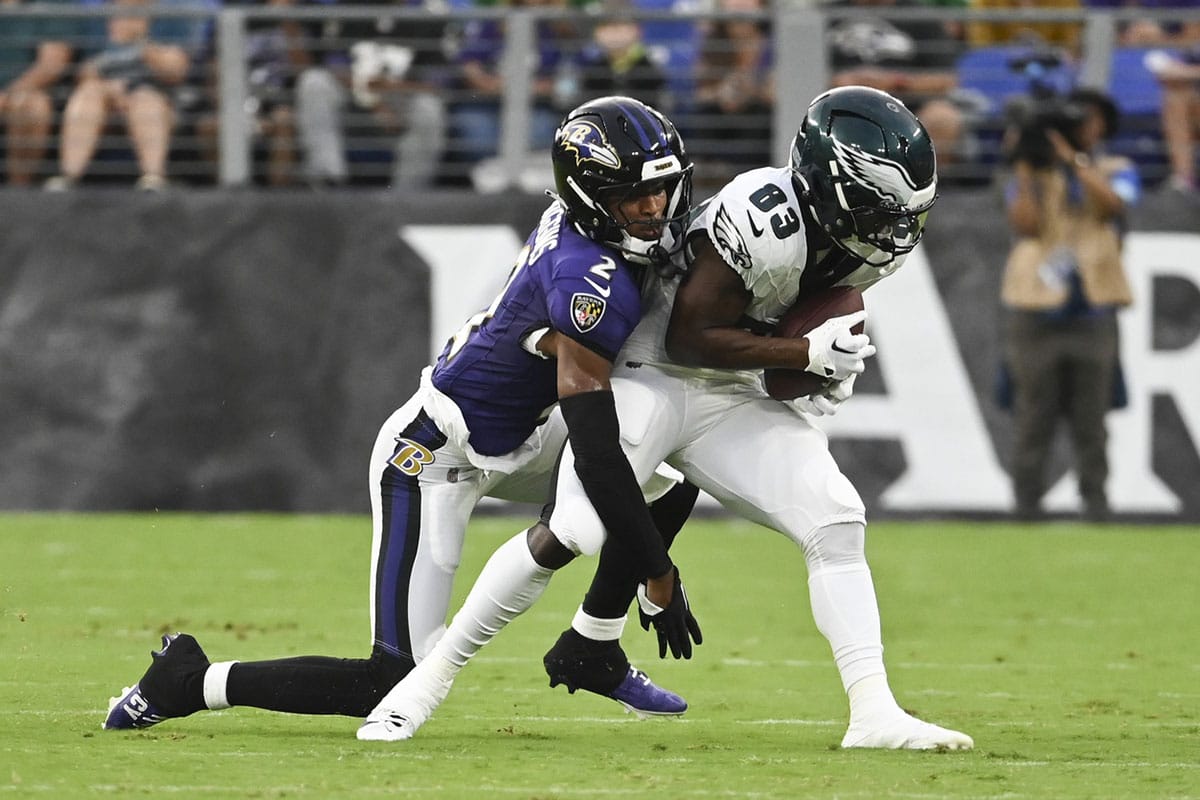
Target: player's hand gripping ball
(808,313)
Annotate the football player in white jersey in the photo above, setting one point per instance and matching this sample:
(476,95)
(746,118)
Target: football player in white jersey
(845,212)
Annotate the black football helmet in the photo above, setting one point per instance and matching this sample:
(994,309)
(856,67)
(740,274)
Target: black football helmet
(865,168)
(616,147)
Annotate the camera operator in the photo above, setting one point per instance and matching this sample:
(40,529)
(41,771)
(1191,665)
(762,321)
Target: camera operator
(1063,283)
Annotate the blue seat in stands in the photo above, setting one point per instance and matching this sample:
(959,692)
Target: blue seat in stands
(1138,96)
(988,71)
(1131,84)
(675,43)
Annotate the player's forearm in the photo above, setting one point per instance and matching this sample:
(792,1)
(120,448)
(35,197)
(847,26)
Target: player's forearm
(721,347)
(609,480)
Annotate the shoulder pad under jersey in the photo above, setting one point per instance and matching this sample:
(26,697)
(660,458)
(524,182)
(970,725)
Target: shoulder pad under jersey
(755,224)
(593,298)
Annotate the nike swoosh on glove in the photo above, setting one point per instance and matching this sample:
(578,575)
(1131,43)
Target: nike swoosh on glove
(834,352)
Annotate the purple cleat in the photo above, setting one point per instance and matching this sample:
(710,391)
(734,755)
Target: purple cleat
(131,710)
(171,687)
(643,697)
(602,668)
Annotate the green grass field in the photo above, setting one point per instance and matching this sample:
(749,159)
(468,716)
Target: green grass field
(1070,653)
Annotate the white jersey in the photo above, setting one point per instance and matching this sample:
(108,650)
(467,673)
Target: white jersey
(756,224)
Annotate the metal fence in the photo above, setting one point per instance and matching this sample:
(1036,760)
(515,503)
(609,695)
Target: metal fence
(373,96)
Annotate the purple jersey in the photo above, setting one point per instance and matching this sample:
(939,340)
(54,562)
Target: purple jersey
(563,282)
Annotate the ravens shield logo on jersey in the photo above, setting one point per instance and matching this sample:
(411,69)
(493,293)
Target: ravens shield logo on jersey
(586,311)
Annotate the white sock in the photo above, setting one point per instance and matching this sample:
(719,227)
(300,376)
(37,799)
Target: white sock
(511,582)
(598,629)
(216,682)
(871,699)
(846,613)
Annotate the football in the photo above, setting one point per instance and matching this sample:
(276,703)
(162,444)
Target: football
(807,313)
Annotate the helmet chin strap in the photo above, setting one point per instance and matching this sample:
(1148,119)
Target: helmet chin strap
(654,253)
(644,251)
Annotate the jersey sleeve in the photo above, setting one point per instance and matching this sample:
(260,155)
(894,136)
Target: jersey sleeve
(593,299)
(755,225)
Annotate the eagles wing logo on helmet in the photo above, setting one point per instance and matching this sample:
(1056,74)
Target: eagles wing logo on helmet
(886,178)
(589,143)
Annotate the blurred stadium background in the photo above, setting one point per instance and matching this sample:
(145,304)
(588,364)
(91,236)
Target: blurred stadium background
(232,341)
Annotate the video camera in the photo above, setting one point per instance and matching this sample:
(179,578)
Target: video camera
(1045,108)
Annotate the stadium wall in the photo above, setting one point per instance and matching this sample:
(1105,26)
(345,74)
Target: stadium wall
(239,350)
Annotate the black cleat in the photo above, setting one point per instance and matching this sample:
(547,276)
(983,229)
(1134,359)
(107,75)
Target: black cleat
(173,686)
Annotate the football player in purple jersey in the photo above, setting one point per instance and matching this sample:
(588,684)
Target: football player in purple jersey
(490,419)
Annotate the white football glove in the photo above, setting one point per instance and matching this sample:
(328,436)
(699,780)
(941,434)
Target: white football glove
(827,402)
(834,352)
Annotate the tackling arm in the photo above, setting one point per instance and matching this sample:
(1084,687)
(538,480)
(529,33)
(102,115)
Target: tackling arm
(586,399)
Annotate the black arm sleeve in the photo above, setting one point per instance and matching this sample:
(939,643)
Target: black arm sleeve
(608,480)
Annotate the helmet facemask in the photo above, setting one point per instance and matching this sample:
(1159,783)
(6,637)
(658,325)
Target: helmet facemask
(879,235)
(653,250)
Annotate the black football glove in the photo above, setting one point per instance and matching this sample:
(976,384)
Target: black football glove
(675,625)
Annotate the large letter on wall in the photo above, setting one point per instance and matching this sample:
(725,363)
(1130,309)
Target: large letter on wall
(1132,484)
(468,265)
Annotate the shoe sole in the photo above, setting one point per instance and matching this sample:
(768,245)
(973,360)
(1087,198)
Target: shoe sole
(376,732)
(640,713)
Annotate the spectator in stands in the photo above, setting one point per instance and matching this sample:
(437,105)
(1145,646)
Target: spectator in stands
(134,75)
(1063,283)
(913,59)
(298,74)
(1180,81)
(954,28)
(276,52)
(317,86)
(475,116)
(735,93)
(1175,62)
(1152,31)
(1055,34)
(36,53)
(399,71)
(617,62)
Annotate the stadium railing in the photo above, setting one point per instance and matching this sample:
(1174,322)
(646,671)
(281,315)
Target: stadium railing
(218,142)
